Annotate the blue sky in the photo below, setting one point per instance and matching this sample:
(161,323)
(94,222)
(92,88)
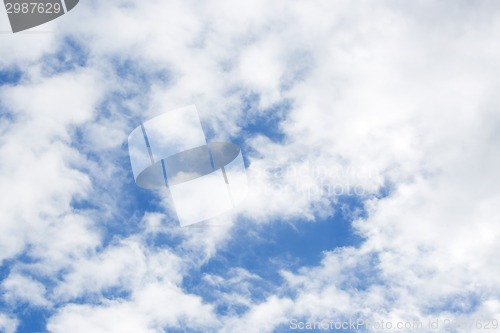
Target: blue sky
(369,134)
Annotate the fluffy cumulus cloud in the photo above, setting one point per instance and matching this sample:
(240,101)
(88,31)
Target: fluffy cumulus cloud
(8,324)
(379,115)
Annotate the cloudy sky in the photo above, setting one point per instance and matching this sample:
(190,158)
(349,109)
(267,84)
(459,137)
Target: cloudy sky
(370,132)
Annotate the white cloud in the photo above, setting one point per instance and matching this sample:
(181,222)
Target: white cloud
(125,266)
(8,324)
(22,288)
(232,291)
(38,170)
(151,308)
(261,318)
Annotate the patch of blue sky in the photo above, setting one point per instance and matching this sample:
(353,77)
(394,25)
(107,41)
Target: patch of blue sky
(10,76)
(267,249)
(264,122)
(298,66)
(5,268)
(221,265)
(182,328)
(163,239)
(385,190)
(32,319)
(364,275)
(460,304)
(230,309)
(102,297)
(130,200)
(130,203)
(136,82)
(35,318)
(130,70)
(70,55)
(26,263)
(127,204)
(116,106)
(254,121)
(6,265)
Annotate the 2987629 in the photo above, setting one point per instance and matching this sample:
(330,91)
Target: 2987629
(469,323)
(33,7)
